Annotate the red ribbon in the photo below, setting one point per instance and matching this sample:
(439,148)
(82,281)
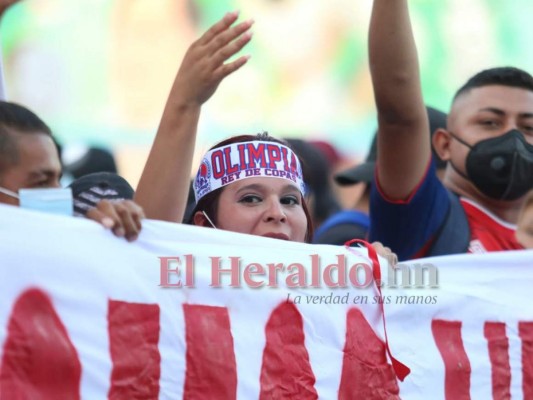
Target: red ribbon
(401,370)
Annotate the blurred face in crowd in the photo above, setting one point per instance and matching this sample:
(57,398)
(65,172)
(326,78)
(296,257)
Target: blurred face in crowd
(524,229)
(262,206)
(36,165)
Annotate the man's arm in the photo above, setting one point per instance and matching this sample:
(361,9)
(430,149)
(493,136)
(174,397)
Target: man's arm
(403,142)
(164,184)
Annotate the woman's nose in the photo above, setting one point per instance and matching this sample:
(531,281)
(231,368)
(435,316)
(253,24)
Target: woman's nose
(275,211)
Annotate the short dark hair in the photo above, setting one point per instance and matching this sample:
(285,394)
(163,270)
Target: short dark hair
(16,118)
(504,76)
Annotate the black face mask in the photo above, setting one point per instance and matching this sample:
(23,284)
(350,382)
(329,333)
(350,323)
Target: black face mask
(500,167)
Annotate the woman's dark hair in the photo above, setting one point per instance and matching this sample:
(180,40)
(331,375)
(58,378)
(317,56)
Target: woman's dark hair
(209,202)
(317,178)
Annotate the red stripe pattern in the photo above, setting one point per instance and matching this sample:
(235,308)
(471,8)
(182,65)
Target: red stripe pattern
(133,339)
(525,331)
(498,345)
(366,374)
(447,336)
(211,370)
(286,371)
(39,360)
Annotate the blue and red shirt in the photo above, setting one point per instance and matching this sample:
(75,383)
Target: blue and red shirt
(409,227)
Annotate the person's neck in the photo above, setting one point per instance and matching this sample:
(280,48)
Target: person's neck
(505,210)
(363,203)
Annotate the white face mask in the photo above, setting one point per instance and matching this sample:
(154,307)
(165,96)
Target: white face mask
(50,200)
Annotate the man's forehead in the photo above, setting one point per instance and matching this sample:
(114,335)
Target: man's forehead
(505,98)
(36,144)
(38,152)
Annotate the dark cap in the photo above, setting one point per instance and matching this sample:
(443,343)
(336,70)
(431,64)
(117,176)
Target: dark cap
(90,160)
(365,172)
(88,190)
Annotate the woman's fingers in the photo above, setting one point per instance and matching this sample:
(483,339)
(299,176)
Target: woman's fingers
(230,42)
(219,27)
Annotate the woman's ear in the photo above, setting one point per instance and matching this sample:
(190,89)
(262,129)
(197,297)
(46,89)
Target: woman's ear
(199,219)
(441,141)
(202,219)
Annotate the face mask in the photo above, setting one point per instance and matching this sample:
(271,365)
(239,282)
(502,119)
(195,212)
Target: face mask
(500,167)
(51,200)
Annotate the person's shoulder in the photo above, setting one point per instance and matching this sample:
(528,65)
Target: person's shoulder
(480,215)
(342,227)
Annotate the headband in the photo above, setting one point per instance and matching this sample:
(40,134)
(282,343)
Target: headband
(238,161)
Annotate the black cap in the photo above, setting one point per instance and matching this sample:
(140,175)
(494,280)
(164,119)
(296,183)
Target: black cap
(93,159)
(365,172)
(88,190)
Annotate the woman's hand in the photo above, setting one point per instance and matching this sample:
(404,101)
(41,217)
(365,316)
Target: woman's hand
(203,67)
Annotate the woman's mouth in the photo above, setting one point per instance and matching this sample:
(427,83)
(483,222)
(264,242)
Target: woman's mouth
(274,235)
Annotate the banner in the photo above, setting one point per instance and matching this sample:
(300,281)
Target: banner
(190,312)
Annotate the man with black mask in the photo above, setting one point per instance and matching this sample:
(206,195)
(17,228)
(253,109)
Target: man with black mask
(488,144)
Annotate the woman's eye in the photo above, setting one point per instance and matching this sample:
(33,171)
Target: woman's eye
(290,200)
(250,198)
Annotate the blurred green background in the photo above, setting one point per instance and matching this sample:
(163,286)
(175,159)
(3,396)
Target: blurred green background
(99,71)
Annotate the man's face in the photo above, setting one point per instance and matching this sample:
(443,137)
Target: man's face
(38,166)
(488,112)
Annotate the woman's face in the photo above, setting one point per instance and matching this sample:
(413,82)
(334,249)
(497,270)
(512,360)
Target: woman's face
(269,207)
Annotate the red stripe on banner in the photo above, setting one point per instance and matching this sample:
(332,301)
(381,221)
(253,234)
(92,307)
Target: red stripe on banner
(366,374)
(39,360)
(447,335)
(211,371)
(498,344)
(286,371)
(133,339)
(525,331)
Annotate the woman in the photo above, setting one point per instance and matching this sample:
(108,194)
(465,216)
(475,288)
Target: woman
(254,185)
(246,184)
(265,200)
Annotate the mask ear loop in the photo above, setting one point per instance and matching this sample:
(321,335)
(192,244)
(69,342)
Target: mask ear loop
(454,136)
(209,219)
(9,193)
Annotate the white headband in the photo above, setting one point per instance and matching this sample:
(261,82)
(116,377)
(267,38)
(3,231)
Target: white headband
(237,161)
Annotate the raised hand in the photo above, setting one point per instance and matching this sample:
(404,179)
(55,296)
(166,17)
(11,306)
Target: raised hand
(164,184)
(204,65)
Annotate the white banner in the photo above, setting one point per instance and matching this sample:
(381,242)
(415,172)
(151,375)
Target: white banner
(86,315)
